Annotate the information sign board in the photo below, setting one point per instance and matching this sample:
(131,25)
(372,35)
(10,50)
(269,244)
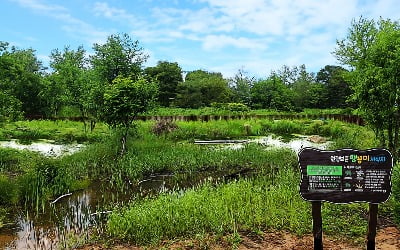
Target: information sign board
(345,175)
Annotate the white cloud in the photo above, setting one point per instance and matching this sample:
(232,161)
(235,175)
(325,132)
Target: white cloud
(40,7)
(264,34)
(216,42)
(116,14)
(73,25)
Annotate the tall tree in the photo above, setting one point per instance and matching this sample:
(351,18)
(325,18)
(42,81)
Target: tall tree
(168,75)
(71,75)
(124,100)
(119,56)
(372,50)
(271,93)
(337,87)
(201,88)
(241,85)
(21,76)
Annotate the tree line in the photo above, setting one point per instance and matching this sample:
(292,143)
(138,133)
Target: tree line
(76,79)
(113,85)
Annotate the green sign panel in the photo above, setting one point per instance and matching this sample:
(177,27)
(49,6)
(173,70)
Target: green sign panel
(324,170)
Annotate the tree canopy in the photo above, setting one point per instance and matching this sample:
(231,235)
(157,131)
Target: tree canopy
(168,75)
(372,51)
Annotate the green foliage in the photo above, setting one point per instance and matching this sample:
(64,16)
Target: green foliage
(231,107)
(10,108)
(282,127)
(8,191)
(241,85)
(20,77)
(243,205)
(372,49)
(119,56)
(60,131)
(271,94)
(168,75)
(202,88)
(125,99)
(396,193)
(337,87)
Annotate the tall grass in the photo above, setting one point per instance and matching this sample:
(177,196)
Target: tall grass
(243,205)
(60,130)
(263,203)
(216,111)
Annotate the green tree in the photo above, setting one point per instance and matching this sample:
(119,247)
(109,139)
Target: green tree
(168,75)
(124,100)
(271,93)
(372,51)
(337,87)
(21,76)
(10,108)
(201,88)
(119,56)
(71,79)
(241,85)
(53,95)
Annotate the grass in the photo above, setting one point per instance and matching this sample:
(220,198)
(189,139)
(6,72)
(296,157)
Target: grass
(259,204)
(243,205)
(269,201)
(149,153)
(217,111)
(62,131)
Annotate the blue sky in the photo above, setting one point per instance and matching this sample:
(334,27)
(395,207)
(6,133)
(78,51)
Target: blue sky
(214,35)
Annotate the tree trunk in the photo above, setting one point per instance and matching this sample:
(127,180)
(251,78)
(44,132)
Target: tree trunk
(396,152)
(92,124)
(390,135)
(123,144)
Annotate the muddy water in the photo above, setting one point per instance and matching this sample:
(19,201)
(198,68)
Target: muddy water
(77,215)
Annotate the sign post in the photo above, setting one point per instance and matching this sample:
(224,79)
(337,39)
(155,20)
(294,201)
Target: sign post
(345,176)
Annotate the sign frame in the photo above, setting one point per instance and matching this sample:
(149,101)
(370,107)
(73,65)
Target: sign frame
(331,171)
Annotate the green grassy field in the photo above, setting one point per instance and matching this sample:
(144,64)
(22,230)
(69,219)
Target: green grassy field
(268,200)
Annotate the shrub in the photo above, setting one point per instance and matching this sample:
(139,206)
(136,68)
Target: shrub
(8,191)
(164,127)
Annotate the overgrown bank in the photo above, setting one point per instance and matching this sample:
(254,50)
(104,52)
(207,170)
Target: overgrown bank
(267,201)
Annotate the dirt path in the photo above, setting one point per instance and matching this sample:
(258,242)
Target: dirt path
(387,239)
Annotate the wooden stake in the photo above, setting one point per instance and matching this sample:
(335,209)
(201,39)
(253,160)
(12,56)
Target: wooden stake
(372,222)
(317,225)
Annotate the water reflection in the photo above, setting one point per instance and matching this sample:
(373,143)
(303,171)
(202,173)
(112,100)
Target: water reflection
(73,215)
(77,215)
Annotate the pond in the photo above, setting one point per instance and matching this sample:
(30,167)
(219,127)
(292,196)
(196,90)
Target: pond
(75,216)
(296,143)
(45,147)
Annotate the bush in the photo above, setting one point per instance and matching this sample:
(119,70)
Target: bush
(396,193)
(233,107)
(8,191)
(164,127)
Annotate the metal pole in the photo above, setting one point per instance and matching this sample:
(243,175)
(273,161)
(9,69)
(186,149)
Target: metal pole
(372,222)
(317,225)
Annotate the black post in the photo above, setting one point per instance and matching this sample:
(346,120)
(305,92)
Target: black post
(317,225)
(372,222)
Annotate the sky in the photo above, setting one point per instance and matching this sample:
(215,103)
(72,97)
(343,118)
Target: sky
(257,36)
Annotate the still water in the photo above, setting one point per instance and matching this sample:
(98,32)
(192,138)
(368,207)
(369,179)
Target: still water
(71,218)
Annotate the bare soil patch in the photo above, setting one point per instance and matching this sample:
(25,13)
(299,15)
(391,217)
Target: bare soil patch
(387,238)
